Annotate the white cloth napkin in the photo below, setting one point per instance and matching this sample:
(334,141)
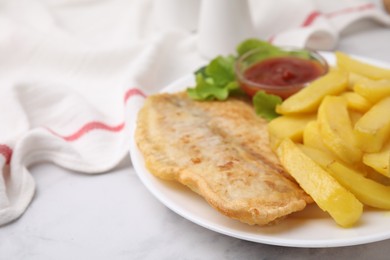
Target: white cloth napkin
(314,24)
(70,70)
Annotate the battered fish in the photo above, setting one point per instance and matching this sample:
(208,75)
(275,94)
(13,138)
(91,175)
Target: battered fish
(220,150)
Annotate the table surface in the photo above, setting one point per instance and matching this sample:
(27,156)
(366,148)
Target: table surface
(113,216)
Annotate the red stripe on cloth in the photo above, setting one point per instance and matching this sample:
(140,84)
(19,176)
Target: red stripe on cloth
(310,18)
(313,15)
(351,10)
(94,125)
(6,151)
(133,92)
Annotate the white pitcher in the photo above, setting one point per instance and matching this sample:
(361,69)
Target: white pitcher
(177,14)
(222,25)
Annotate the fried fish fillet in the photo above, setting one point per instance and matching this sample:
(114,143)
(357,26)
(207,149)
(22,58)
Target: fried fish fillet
(220,150)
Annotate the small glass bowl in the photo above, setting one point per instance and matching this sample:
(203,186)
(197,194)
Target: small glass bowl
(259,55)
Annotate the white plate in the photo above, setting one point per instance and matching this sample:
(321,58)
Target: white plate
(308,228)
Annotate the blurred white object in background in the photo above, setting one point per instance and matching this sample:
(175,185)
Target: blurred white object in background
(176,14)
(222,25)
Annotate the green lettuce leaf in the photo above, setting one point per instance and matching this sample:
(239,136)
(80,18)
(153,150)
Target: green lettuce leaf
(268,50)
(265,105)
(251,44)
(215,81)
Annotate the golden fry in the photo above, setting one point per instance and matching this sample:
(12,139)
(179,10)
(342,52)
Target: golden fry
(288,127)
(356,102)
(367,70)
(373,128)
(366,190)
(329,195)
(373,90)
(380,160)
(308,99)
(336,129)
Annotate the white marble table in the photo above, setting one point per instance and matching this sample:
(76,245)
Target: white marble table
(113,216)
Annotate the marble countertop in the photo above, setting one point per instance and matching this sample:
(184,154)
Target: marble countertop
(113,215)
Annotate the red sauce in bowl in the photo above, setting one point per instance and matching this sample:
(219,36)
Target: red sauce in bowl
(281,76)
(284,71)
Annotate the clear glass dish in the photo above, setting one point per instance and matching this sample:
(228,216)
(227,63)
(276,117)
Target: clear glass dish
(281,73)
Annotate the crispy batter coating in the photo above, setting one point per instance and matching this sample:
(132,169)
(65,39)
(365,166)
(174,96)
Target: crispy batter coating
(220,150)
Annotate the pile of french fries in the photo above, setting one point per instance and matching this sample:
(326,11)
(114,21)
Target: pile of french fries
(334,138)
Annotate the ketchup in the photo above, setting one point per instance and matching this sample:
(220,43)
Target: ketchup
(281,72)
(284,71)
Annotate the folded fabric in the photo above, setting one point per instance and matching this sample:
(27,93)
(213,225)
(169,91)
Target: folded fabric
(318,24)
(314,24)
(70,71)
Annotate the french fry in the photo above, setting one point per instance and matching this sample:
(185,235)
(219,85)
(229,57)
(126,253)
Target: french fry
(373,90)
(355,116)
(366,190)
(380,160)
(357,102)
(369,192)
(355,66)
(373,128)
(288,127)
(329,195)
(354,78)
(336,129)
(309,98)
(312,137)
